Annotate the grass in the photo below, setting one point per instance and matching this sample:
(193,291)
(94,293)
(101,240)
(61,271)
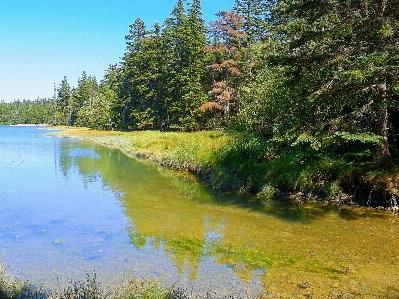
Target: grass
(91,289)
(233,161)
(180,151)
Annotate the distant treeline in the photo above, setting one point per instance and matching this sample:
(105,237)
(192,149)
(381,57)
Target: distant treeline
(303,73)
(40,111)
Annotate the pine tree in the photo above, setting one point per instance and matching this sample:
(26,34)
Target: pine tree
(97,113)
(64,102)
(141,93)
(150,110)
(194,70)
(84,95)
(228,38)
(175,55)
(184,39)
(255,14)
(130,68)
(341,62)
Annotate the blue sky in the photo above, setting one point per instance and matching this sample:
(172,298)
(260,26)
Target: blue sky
(41,41)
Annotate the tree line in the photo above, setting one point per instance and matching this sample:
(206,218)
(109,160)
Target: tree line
(39,111)
(318,74)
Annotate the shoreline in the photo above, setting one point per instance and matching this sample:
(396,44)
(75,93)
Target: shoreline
(32,125)
(323,277)
(205,157)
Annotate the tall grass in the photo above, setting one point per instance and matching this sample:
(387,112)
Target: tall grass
(90,289)
(233,161)
(175,150)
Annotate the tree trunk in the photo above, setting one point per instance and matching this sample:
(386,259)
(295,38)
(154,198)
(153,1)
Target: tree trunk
(383,154)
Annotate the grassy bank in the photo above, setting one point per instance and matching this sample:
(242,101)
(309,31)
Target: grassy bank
(231,161)
(180,151)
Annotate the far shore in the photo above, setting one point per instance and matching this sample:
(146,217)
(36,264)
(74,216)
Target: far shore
(32,125)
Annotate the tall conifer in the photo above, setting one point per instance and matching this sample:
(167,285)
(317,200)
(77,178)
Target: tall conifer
(342,61)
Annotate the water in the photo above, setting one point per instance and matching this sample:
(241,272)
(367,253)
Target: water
(68,208)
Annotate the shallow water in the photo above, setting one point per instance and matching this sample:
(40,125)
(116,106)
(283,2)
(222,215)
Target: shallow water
(68,208)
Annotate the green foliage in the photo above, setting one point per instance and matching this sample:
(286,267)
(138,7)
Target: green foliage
(268,193)
(340,65)
(361,137)
(40,111)
(305,137)
(253,164)
(86,97)
(254,13)
(163,71)
(96,113)
(64,107)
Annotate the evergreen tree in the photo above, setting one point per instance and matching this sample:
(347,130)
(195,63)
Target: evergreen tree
(84,95)
(341,62)
(130,67)
(98,113)
(194,70)
(39,111)
(255,15)
(173,36)
(64,103)
(112,82)
(136,34)
(228,38)
(111,76)
(142,72)
(150,110)
(184,39)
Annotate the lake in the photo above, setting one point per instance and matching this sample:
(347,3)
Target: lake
(68,208)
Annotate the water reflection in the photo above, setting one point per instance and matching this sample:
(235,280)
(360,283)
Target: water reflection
(69,207)
(55,223)
(172,215)
(232,240)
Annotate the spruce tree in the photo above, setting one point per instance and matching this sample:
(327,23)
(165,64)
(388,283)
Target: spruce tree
(127,95)
(64,103)
(341,60)
(184,39)
(225,55)
(255,14)
(83,96)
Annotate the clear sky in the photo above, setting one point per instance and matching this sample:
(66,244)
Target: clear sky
(41,41)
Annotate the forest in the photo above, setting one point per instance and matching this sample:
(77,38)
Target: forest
(313,79)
